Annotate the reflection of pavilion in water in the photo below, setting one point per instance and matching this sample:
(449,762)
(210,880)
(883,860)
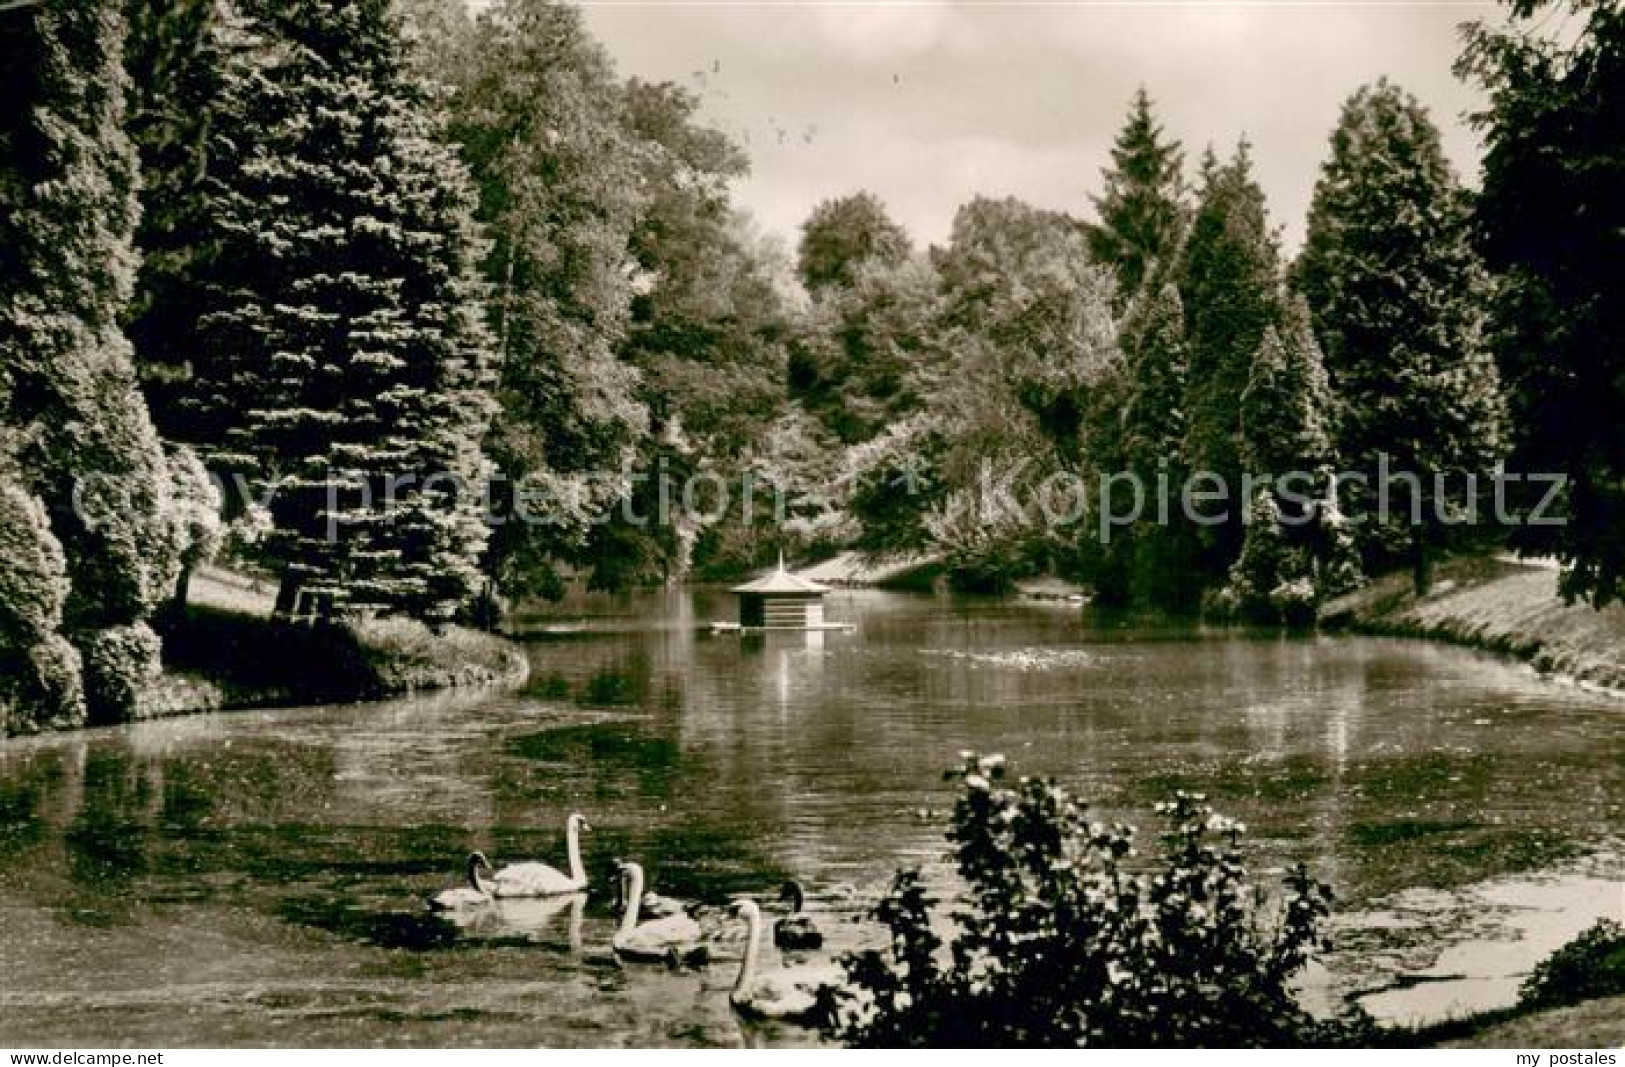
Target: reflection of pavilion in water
(789,660)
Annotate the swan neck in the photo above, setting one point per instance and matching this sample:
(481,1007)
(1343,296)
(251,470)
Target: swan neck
(476,881)
(572,836)
(747,966)
(634,895)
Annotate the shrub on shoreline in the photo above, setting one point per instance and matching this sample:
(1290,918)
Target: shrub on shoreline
(1062,939)
(1592,965)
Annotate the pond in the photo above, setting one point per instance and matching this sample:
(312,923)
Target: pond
(257,877)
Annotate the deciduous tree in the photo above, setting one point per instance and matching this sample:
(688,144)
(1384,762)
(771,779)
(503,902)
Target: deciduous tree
(843,234)
(1551,223)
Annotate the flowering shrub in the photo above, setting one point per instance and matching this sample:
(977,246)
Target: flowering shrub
(1062,939)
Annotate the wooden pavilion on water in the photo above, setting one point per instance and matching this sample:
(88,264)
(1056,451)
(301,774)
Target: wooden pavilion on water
(780,600)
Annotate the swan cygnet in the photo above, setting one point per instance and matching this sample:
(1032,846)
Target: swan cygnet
(475,893)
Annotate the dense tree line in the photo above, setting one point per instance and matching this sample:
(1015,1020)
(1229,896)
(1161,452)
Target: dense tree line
(451,311)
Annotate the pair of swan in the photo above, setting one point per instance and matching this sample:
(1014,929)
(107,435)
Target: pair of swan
(785,993)
(661,938)
(795,932)
(531,879)
(790,994)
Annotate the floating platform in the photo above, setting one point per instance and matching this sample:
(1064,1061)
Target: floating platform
(802,628)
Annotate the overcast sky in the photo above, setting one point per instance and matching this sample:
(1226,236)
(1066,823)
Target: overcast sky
(928,102)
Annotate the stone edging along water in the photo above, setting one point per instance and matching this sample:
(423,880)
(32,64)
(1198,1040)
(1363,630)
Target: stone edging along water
(1504,606)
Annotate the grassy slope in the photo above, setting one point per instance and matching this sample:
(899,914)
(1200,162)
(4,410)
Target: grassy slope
(227,654)
(1501,605)
(1592,1024)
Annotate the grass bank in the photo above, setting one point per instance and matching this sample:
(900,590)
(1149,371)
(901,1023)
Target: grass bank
(909,573)
(1591,1024)
(1500,605)
(227,653)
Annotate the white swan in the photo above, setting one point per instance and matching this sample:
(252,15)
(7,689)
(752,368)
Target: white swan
(654,940)
(653,904)
(787,993)
(542,880)
(476,893)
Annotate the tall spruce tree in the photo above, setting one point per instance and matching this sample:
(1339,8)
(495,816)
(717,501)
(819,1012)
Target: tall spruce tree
(1397,296)
(352,317)
(83,452)
(1286,409)
(1551,223)
(1142,210)
(1296,550)
(1164,547)
(1229,282)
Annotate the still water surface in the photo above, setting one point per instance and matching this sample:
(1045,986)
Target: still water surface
(257,877)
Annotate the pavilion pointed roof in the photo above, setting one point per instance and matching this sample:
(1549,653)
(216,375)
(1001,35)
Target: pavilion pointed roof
(783,582)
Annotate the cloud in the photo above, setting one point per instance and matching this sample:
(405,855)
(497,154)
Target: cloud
(876,32)
(928,104)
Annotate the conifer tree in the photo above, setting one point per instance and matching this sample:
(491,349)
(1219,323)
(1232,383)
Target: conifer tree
(355,332)
(1397,296)
(1296,549)
(1286,409)
(83,446)
(189,121)
(1142,210)
(1154,424)
(1229,283)
(1273,578)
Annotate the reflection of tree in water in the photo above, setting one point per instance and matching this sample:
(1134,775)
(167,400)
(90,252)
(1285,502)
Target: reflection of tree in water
(615,687)
(109,841)
(651,786)
(414,929)
(21,829)
(625,756)
(77,828)
(94,826)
